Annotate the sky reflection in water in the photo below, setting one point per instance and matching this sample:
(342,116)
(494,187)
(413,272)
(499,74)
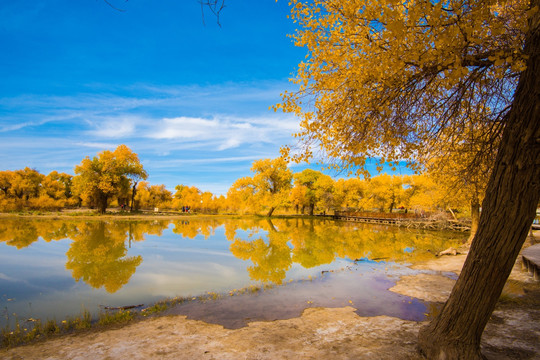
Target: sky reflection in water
(51,269)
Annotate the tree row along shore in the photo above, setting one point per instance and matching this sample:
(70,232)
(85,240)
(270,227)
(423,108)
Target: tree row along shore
(116,179)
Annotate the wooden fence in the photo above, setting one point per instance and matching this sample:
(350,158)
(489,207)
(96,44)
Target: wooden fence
(403,220)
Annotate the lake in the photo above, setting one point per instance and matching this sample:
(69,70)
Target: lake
(56,268)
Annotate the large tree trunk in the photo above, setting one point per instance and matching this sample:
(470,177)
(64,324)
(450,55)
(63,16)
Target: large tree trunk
(271,211)
(475,218)
(102,203)
(392,204)
(507,213)
(133,193)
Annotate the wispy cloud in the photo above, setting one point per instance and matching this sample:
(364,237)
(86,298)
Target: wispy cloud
(186,128)
(182,134)
(96,145)
(114,127)
(203,161)
(225,132)
(13,127)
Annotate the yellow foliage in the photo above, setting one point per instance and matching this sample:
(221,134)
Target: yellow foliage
(98,254)
(402,80)
(152,196)
(28,189)
(46,203)
(109,174)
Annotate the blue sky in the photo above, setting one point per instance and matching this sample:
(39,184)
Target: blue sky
(191,98)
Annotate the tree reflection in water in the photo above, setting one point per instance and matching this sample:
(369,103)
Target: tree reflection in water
(98,253)
(274,245)
(98,256)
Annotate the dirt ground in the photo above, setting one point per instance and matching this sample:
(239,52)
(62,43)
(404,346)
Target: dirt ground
(320,333)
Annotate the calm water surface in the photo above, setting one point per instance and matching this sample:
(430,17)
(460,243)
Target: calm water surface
(51,269)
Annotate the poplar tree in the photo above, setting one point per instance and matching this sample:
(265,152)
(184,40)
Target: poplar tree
(403,79)
(107,174)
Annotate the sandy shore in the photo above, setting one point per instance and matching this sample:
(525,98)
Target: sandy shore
(320,333)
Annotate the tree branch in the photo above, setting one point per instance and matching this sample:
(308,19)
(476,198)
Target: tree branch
(114,7)
(215,6)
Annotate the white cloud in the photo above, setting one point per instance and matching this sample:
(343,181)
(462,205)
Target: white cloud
(11,124)
(97,145)
(186,128)
(229,143)
(13,127)
(225,132)
(201,161)
(111,127)
(202,136)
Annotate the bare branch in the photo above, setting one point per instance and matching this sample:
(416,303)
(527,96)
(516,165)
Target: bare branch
(114,7)
(215,6)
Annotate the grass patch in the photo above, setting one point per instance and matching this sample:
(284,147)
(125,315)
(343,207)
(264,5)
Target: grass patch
(156,308)
(32,330)
(23,334)
(13,337)
(80,213)
(51,328)
(79,323)
(117,317)
(161,306)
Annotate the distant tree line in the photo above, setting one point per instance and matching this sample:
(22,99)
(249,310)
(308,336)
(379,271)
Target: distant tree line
(117,179)
(309,192)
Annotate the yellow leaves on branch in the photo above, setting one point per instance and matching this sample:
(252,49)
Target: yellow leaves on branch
(384,78)
(27,188)
(268,188)
(107,174)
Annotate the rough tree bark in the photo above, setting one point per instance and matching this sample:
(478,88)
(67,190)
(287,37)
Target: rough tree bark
(507,213)
(102,203)
(311,209)
(475,218)
(133,193)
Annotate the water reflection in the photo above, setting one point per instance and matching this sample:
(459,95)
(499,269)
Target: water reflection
(22,233)
(98,256)
(273,246)
(50,268)
(98,252)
